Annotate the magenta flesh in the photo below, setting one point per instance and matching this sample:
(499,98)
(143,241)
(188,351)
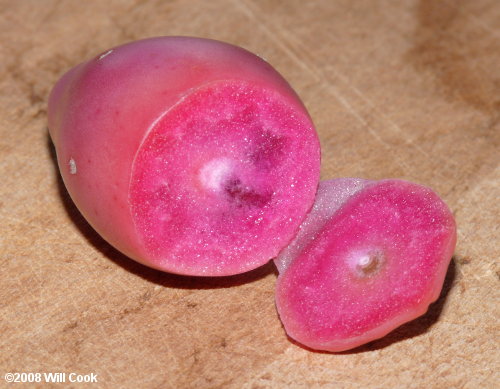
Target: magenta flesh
(370,257)
(189,155)
(216,187)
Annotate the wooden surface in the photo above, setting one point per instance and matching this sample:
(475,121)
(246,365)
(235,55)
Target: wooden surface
(407,89)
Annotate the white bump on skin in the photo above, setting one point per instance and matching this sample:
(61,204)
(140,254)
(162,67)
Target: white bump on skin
(214,173)
(72,166)
(105,54)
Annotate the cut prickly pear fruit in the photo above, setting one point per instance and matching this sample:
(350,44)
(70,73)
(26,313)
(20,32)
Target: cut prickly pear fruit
(189,155)
(370,256)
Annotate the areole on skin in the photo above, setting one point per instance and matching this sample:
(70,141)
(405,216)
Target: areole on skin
(72,166)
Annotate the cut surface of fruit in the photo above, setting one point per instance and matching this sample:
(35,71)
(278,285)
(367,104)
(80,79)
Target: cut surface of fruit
(373,263)
(216,186)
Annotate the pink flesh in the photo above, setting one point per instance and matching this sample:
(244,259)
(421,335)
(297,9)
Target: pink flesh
(216,188)
(329,198)
(324,297)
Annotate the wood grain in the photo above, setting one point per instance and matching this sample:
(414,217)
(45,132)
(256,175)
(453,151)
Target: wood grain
(407,89)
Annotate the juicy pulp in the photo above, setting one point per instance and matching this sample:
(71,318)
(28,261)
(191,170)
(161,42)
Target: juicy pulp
(374,260)
(216,187)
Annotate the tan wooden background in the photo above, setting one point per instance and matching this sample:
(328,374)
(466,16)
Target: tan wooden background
(407,89)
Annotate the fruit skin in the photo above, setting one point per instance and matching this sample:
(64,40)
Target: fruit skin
(326,300)
(101,111)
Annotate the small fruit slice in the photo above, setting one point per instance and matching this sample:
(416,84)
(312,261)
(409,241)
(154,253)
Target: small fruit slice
(369,257)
